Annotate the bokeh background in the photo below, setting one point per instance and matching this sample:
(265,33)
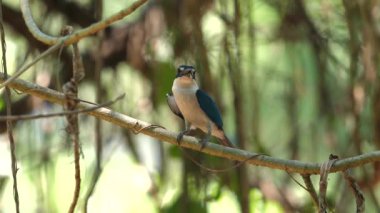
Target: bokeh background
(294,79)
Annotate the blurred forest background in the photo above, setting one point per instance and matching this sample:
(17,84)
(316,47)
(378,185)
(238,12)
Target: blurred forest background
(294,79)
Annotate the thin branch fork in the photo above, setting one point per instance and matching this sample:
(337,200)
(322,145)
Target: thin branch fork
(190,142)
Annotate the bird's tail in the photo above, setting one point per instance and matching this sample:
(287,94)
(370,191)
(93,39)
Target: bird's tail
(226,142)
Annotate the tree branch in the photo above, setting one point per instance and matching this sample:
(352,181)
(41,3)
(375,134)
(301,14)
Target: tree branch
(76,36)
(190,142)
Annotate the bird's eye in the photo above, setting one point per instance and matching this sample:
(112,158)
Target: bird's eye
(179,70)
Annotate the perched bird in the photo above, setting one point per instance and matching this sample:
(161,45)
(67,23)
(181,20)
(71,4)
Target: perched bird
(196,107)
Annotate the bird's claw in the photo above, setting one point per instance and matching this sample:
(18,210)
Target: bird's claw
(204,141)
(180,136)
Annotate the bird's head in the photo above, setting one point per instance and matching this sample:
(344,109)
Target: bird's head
(186,72)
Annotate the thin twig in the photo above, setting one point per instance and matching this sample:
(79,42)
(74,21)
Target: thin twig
(64,113)
(127,122)
(76,36)
(9,112)
(296,181)
(360,204)
(310,188)
(70,90)
(137,131)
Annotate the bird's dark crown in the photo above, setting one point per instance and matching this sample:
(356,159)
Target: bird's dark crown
(186,70)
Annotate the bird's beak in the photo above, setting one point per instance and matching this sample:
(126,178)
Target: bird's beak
(188,73)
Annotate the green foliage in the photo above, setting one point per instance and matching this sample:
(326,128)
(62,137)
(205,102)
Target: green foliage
(2,104)
(302,74)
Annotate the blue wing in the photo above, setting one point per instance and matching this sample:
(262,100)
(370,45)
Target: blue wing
(209,107)
(173,105)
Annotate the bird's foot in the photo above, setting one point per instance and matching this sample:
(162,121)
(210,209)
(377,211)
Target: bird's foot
(180,136)
(204,141)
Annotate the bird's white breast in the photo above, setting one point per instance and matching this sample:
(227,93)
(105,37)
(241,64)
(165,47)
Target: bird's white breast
(184,94)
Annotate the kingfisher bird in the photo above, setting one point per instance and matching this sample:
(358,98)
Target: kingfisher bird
(196,107)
